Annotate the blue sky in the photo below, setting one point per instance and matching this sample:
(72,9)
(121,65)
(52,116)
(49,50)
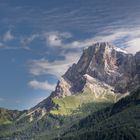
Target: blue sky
(39,40)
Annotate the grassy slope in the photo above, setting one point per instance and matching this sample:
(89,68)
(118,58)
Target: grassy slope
(74,103)
(120,121)
(8,116)
(73,108)
(68,111)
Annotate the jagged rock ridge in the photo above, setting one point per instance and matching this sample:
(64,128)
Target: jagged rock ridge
(106,63)
(110,68)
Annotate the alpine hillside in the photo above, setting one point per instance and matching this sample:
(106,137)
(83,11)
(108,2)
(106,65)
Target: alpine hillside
(102,69)
(102,87)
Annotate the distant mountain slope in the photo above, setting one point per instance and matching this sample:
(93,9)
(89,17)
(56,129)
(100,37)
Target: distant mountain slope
(120,121)
(8,116)
(65,112)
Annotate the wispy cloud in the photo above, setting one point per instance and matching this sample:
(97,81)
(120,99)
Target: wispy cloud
(58,39)
(8,36)
(25,41)
(42,85)
(57,67)
(134,45)
(129,39)
(125,38)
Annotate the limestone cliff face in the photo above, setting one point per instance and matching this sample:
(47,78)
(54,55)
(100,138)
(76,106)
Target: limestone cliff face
(102,68)
(105,63)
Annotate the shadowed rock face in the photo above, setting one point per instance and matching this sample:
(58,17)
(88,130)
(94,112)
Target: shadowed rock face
(103,62)
(137,76)
(137,59)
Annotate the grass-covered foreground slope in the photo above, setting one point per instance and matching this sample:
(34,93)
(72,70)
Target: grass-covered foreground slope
(8,116)
(76,103)
(118,122)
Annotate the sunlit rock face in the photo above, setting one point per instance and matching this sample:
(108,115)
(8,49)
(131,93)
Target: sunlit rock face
(104,62)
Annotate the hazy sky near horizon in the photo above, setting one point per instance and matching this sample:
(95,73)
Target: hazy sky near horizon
(39,40)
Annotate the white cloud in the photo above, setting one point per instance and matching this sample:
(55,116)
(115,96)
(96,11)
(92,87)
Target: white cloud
(8,36)
(129,39)
(57,67)
(134,45)
(80,44)
(55,39)
(42,85)
(58,39)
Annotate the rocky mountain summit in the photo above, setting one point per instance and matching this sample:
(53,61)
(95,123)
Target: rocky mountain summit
(102,68)
(105,63)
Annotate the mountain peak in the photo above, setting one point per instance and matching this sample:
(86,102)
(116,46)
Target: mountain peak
(106,46)
(104,62)
(102,68)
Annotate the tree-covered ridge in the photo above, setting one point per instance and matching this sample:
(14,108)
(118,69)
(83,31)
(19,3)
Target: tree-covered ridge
(119,121)
(67,111)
